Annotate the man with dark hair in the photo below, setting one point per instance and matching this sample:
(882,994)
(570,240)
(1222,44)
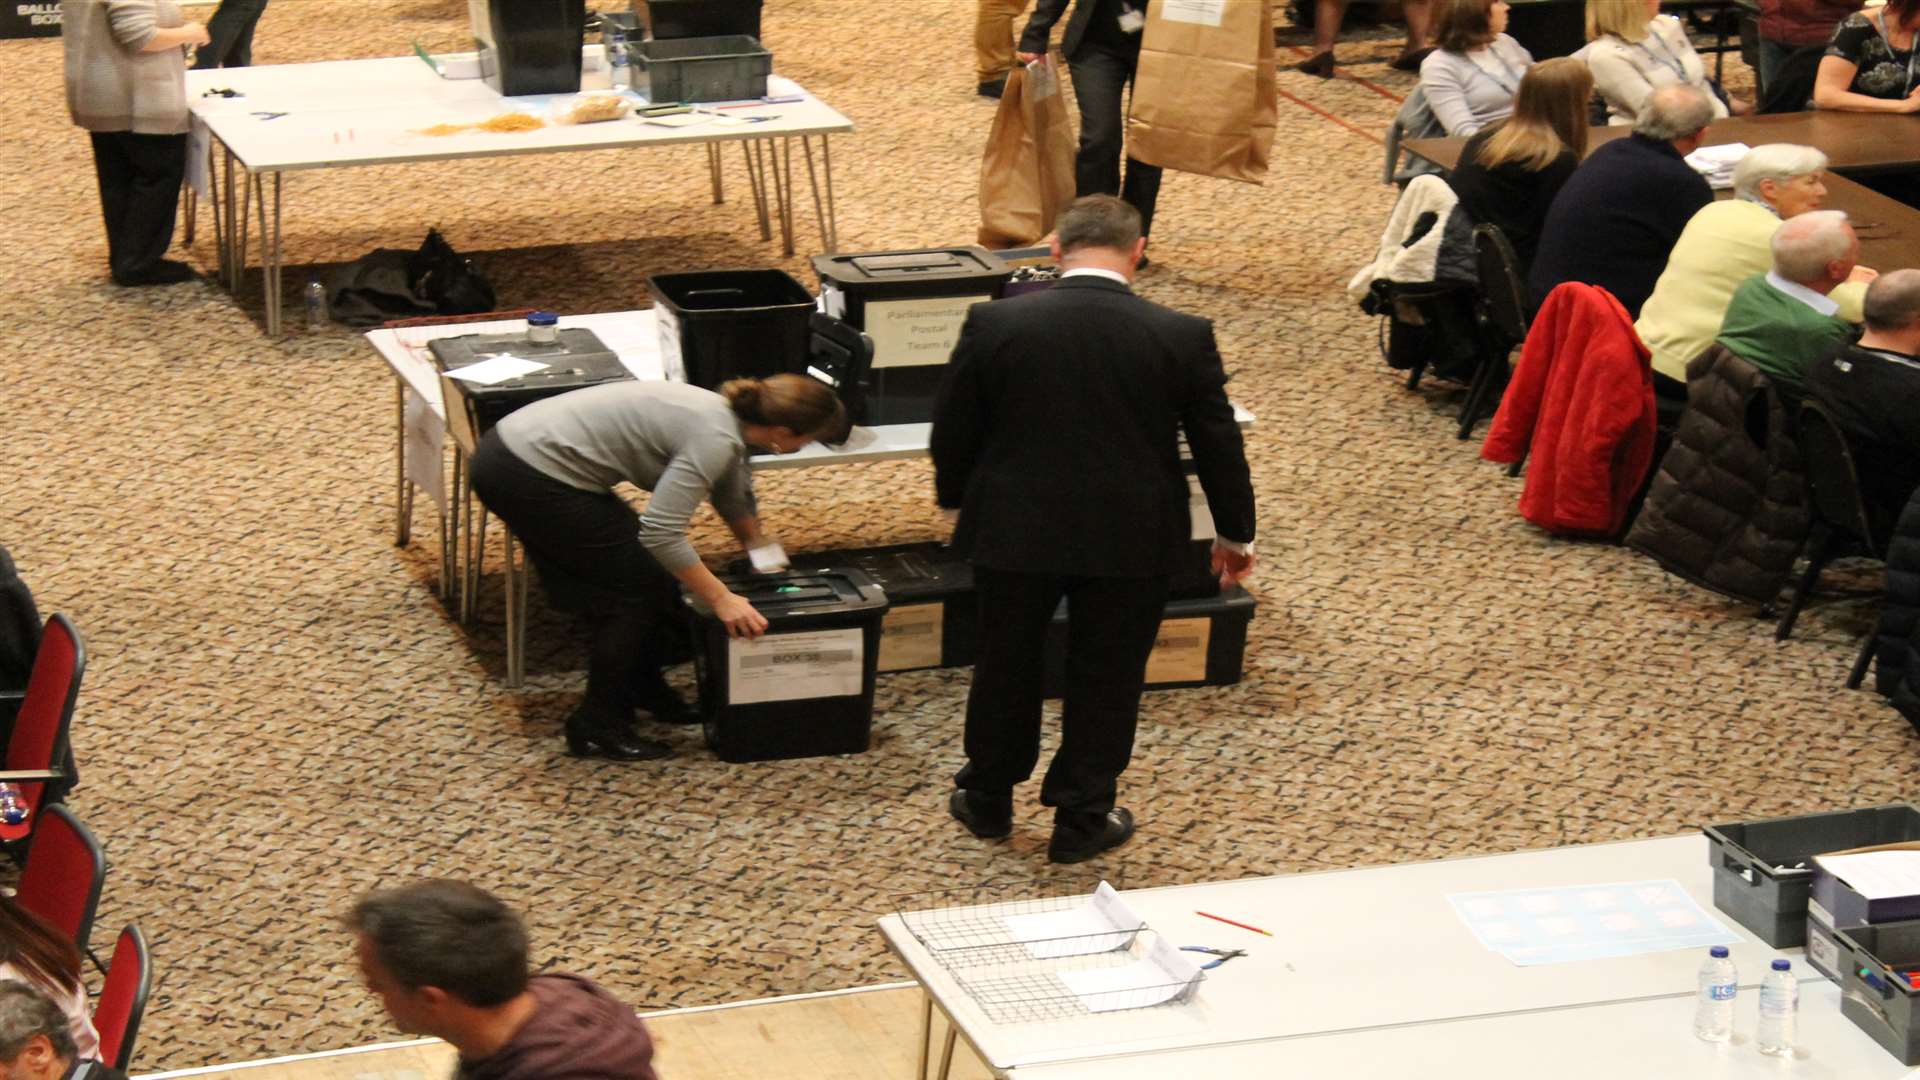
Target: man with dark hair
(1056,439)
(449,960)
(35,1043)
(1872,391)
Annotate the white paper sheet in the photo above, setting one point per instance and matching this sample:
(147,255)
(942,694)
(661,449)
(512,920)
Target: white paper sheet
(1102,924)
(1876,875)
(495,369)
(858,439)
(1203,12)
(1161,976)
(768,558)
(1588,922)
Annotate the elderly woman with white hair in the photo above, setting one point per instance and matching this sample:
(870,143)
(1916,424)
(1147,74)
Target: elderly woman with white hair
(1725,243)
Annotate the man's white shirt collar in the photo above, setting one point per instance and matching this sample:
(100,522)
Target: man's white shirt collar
(1814,300)
(1094,271)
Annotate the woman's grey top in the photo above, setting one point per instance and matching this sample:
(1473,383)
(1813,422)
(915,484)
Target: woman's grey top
(1467,91)
(111,84)
(677,441)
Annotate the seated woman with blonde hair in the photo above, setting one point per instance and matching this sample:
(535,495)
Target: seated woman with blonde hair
(1510,172)
(1636,50)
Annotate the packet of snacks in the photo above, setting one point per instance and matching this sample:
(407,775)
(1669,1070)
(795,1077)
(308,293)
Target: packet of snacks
(591,108)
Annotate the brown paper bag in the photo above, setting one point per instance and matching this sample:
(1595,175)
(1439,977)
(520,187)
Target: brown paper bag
(1026,176)
(1203,99)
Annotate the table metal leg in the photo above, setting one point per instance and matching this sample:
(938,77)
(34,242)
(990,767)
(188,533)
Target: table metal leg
(271,261)
(756,178)
(833,213)
(516,613)
(450,531)
(813,183)
(188,212)
(403,488)
(786,196)
(228,276)
(245,207)
(926,1033)
(713,170)
(946,1052)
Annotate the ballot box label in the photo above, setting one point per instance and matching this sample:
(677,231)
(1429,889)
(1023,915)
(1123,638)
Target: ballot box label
(1180,651)
(1198,512)
(1203,12)
(29,18)
(911,637)
(795,666)
(915,333)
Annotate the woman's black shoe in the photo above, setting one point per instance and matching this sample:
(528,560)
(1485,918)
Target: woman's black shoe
(589,736)
(1410,60)
(650,691)
(1320,65)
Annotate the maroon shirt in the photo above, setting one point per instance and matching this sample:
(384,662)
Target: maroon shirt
(579,1032)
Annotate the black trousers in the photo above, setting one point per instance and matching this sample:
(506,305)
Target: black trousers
(139,194)
(1100,87)
(230,34)
(1111,632)
(586,545)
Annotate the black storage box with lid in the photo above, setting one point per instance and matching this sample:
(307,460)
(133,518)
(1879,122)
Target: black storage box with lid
(530,46)
(699,18)
(805,687)
(1202,642)
(911,303)
(931,618)
(577,359)
(716,325)
(1763,870)
(1874,993)
(730,68)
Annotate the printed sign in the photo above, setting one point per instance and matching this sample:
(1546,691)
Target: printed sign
(426,453)
(1201,12)
(911,637)
(671,362)
(795,666)
(1180,651)
(915,333)
(21,18)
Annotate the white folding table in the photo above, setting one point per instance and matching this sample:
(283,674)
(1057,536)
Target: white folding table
(345,113)
(1373,964)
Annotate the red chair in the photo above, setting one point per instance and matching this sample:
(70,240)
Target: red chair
(40,730)
(61,881)
(123,998)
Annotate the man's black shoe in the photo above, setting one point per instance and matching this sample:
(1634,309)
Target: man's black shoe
(164,272)
(1075,841)
(993,88)
(980,814)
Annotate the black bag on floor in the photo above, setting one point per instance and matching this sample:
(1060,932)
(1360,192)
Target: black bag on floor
(388,283)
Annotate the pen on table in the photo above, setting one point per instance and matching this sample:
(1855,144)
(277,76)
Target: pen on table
(1230,922)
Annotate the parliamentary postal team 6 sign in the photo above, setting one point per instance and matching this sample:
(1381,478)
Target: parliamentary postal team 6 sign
(29,18)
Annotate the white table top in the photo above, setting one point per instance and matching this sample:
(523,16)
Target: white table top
(1359,949)
(370,112)
(1637,1039)
(633,337)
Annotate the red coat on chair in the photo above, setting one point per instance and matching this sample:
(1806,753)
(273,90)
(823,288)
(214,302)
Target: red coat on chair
(1580,410)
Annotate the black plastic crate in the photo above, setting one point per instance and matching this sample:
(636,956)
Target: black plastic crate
(576,358)
(700,18)
(911,304)
(1763,871)
(1202,642)
(730,68)
(717,325)
(764,699)
(1874,992)
(931,618)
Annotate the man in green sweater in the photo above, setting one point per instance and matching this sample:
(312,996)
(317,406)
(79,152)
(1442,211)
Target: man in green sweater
(1782,321)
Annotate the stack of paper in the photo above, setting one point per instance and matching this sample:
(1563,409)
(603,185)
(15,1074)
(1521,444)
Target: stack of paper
(1102,924)
(1716,162)
(1876,875)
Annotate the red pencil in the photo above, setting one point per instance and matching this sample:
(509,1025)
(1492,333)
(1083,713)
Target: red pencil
(1230,922)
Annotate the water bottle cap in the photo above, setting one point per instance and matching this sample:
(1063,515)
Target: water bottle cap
(542,318)
(1783,965)
(1718,952)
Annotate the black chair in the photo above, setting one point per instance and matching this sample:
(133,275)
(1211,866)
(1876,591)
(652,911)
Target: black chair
(1501,311)
(1833,490)
(1792,86)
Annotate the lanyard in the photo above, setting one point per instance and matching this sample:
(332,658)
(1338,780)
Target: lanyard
(1513,77)
(1880,27)
(1666,56)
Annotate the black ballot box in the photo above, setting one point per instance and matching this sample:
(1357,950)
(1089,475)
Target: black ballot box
(931,618)
(805,687)
(1202,642)
(911,303)
(575,359)
(716,325)
(529,46)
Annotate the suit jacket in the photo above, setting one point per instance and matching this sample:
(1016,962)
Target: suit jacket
(1047,12)
(1056,433)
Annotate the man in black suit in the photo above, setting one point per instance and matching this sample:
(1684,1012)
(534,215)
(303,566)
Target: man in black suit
(1102,47)
(1056,437)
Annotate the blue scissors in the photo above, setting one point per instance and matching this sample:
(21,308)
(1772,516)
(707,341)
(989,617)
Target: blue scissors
(1221,955)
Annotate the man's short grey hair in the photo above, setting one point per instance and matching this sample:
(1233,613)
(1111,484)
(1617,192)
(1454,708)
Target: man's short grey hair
(1674,111)
(25,1012)
(1893,301)
(1098,221)
(1777,162)
(1804,245)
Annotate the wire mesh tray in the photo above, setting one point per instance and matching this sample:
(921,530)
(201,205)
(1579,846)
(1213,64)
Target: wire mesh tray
(982,925)
(1072,987)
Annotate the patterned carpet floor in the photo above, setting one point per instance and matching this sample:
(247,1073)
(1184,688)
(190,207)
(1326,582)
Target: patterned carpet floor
(279,714)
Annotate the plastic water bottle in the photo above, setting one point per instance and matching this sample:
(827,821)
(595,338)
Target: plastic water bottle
(316,296)
(13,809)
(1719,983)
(615,42)
(1779,1010)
